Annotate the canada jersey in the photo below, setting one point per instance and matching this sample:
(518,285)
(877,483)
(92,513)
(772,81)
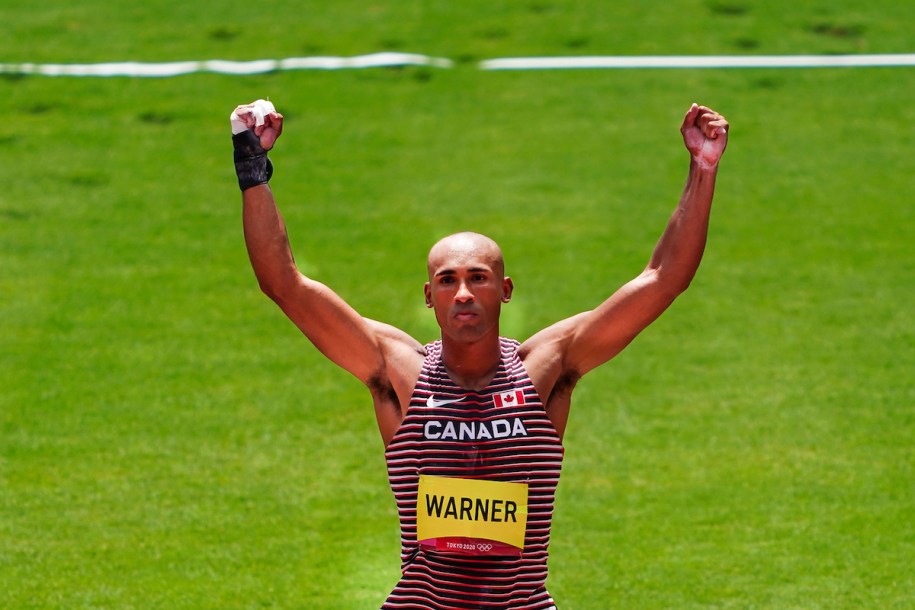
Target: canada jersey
(499,434)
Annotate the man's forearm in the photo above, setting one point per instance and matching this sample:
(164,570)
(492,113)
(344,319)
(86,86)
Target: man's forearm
(677,255)
(267,242)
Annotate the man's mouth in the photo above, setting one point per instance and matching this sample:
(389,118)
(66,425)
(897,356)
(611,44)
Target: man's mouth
(465,315)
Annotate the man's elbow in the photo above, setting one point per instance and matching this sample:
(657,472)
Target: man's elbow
(670,282)
(679,286)
(269,289)
(278,288)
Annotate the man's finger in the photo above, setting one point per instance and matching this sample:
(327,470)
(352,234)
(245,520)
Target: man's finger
(241,119)
(250,116)
(690,119)
(710,123)
(719,127)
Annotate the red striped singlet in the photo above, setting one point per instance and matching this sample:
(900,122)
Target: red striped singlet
(473,438)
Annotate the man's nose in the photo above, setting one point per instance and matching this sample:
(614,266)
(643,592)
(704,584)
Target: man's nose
(463,295)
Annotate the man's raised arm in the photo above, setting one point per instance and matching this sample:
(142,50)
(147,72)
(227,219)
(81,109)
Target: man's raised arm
(337,330)
(591,338)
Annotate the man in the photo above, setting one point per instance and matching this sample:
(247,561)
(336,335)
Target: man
(472,423)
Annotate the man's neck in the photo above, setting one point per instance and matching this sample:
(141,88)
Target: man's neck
(472,365)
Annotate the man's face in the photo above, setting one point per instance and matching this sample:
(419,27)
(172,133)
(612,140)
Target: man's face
(467,286)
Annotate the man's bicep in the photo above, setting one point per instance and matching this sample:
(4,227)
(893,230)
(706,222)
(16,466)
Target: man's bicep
(602,333)
(334,327)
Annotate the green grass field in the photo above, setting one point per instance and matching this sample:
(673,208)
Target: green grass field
(169,441)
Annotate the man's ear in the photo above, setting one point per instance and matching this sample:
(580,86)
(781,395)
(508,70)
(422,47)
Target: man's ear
(427,290)
(507,287)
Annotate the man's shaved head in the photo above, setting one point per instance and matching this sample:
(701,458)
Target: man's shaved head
(463,247)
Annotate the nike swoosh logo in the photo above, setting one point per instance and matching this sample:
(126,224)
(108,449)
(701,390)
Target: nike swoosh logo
(432,403)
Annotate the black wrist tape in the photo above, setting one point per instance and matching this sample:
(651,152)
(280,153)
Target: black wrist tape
(251,163)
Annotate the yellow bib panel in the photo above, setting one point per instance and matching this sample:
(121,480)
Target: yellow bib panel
(471,516)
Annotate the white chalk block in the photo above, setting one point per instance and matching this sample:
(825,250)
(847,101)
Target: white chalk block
(261,109)
(258,109)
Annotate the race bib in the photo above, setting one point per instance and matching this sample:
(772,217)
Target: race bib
(471,516)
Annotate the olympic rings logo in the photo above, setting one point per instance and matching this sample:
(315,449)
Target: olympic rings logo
(484,548)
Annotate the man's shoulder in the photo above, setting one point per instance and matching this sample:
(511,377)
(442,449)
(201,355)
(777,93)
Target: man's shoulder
(553,338)
(402,354)
(388,333)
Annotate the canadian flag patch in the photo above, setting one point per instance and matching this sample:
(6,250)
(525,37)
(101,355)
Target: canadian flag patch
(512,398)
